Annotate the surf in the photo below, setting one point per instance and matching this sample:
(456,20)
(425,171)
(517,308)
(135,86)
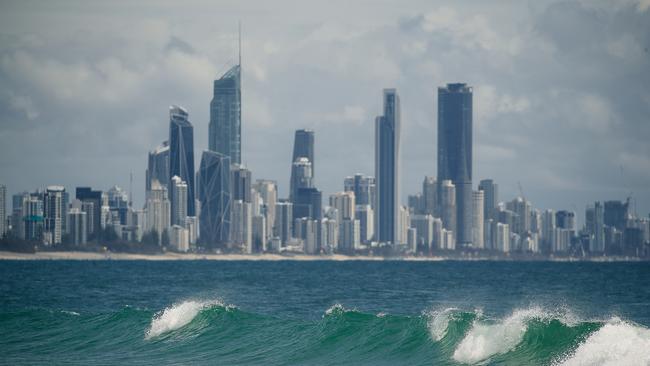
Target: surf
(178,315)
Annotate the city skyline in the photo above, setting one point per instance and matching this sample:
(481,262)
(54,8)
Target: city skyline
(614,179)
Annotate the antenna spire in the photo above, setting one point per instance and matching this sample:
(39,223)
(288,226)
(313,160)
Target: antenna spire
(240,43)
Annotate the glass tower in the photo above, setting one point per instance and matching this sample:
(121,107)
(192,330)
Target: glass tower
(455,152)
(303,147)
(225,115)
(181,152)
(387,135)
(214,195)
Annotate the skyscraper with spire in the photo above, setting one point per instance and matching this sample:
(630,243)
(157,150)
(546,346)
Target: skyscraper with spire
(225,113)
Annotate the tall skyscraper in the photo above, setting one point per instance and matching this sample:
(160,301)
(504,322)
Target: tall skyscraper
(387,140)
(215,198)
(225,114)
(491,198)
(158,165)
(181,152)
(455,152)
(303,147)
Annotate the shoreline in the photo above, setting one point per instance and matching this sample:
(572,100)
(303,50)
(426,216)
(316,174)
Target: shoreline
(171,256)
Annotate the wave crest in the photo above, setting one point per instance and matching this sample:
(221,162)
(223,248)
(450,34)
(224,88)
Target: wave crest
(178,315)
(615,343)
(486,339)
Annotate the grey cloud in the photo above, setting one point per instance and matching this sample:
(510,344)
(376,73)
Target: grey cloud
(561,90)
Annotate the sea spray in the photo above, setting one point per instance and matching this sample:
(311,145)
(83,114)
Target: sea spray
(439,322)
(177,316)
(616,343)
(486,339)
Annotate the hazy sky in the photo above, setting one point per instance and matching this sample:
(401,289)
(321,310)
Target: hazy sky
(561,89)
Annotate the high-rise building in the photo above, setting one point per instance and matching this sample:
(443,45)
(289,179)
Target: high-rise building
(502,242)
(33,216)
(77,230)
(241,183)
(179,238)
(158,165)
(423,225)
(566,220)
(215,198)
(301,176)
(344,203)
(599,229)
(283,227)
(307,230)
(616,214)
(329,235)
(268,191)
(181,152)
(93,200)
(158,209)
(308,203)
(53,214)
(241,236)
(429,195)
(366,217)
(455,152)
(3,210)
(387,148)
(448,205)
(522,208)
(490,198)
(178,201)
(363,187)
(548,230)
(303,150)
(478,219)
(349,236)
(118,203)
(225,114)
(259,234)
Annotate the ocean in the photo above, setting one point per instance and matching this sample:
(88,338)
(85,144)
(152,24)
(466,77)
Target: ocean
(324,313)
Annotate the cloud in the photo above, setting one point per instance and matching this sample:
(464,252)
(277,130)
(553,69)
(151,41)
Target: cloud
(561,88)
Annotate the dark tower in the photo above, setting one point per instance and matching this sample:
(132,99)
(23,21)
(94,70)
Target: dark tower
(455,152)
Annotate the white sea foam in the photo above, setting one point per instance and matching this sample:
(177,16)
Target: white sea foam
(177,316)
(337,309)
(616,343)
(484,340)
(439,322)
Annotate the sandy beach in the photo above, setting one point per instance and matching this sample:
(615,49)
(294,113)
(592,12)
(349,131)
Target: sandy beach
(190,256)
